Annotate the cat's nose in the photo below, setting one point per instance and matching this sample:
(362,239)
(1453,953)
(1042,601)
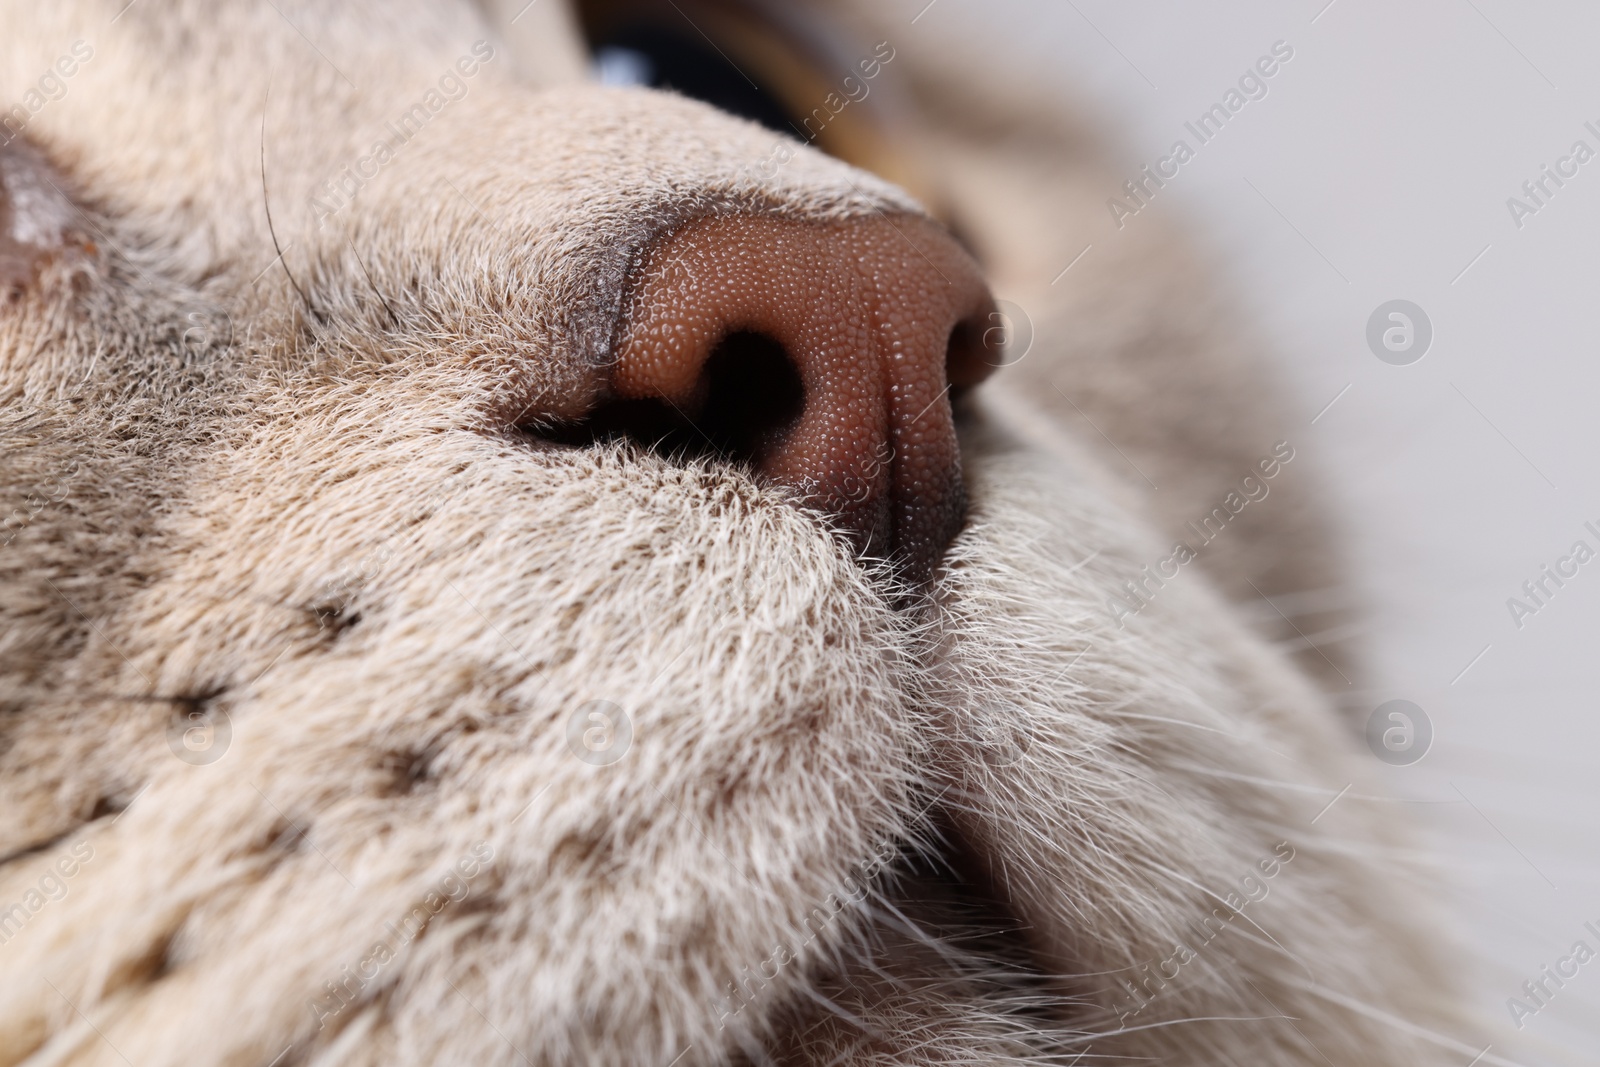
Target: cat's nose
(825,355)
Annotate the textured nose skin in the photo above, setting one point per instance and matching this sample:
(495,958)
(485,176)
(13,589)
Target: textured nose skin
(879,317)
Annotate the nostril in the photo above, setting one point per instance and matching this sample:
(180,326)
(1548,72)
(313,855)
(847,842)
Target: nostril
(970,355)
(748,395)
(753,395)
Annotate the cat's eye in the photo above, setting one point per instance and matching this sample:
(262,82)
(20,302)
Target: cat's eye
(657,55)
(780,67)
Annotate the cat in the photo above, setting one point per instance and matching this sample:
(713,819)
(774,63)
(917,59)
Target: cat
(388,676)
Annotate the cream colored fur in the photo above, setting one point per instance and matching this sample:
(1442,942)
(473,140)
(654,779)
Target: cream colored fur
(295,496)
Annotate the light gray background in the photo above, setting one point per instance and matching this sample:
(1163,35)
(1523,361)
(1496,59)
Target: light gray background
(1378,167)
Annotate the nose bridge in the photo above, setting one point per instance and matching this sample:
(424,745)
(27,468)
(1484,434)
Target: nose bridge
(866,312)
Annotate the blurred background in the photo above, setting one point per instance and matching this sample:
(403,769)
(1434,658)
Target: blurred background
(1378,167)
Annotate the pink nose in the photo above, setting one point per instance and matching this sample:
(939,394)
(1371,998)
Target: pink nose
(876,318)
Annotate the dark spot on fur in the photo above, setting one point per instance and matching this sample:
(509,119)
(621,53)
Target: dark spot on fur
(107,806)
(283,837)
(193,709)
(41,846)
(476,903)
(159,961)
(333,619)
(184,705)
(587,851)
(406,772)
(187,705)
(145,964)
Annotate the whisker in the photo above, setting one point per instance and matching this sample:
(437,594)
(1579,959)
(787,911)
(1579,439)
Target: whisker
(267,204)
